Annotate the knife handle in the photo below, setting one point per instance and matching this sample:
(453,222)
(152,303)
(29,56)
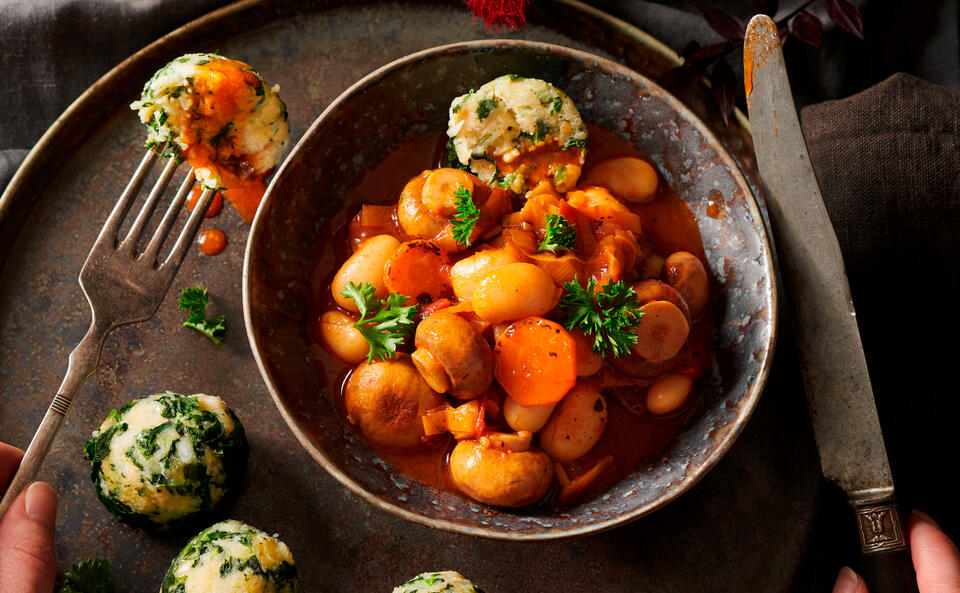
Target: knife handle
(886,564)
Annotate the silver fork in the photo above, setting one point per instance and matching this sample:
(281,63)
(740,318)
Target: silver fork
(122,286)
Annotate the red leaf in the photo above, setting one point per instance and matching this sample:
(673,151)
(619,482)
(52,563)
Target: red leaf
(701,55)
(690,47)
(724,23)
(846,15)
(724,89)
(497,13)
(680,78)
(784,32)
(767,7)
(807,28)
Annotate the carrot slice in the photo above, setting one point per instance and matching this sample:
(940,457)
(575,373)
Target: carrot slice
(437,305)
(435,420)
(536,361)
(417,269)
(373,220)
(463,422)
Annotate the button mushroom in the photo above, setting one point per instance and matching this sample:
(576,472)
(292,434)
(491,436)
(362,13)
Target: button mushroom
(386,399)
(502,478)
(452,357)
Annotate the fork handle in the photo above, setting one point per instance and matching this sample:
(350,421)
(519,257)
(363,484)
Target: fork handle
(83,361)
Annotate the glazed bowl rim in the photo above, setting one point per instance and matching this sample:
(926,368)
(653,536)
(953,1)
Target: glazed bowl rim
(752,392)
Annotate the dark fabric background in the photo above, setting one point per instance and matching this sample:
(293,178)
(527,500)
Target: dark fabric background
(886,158)
(888,163)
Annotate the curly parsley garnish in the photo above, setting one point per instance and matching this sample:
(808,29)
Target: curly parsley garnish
(558,235)
(384,323)
(194,302)
(466,218)
(88,576)
(608,315)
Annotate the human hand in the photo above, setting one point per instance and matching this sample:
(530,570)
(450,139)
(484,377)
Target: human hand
(935,558)
(28,563)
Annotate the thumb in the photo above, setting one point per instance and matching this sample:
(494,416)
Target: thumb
(28,563)
(935,557)
(849,582)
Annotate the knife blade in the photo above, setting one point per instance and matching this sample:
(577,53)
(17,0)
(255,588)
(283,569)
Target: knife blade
(837,384)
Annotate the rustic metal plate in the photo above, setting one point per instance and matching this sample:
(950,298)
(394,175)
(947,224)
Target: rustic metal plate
(747,526)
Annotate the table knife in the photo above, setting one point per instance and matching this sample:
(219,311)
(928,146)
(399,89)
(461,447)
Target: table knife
(836,381)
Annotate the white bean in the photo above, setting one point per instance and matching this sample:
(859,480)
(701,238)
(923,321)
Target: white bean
(629,178)
(365,265)
(336,331)
(513,292)
(529,418)
(467,273)
(669,393)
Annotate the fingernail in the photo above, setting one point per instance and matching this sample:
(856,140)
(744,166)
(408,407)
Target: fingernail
(924,517)
(41,504)
(846,581)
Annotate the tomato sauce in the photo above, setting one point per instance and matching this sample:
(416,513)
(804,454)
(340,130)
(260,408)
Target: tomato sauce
(212,241)
(222,94)
(215,205)
(628,438)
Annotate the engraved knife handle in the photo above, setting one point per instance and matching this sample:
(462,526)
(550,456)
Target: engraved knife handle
(886,564)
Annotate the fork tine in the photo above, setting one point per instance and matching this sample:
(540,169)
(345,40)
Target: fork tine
(112,227)
(173,211)
(129,242)
(189,231)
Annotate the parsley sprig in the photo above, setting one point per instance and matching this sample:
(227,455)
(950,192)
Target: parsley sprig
(608,315)
(194,302)
(384,323)
(558,234)
(88,576)
(466,218)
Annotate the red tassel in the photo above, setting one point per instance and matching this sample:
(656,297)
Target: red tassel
(498,13)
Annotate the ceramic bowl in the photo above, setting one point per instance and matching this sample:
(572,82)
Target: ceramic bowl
(411,96)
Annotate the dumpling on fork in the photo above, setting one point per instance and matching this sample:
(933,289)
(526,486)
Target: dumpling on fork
(221,117)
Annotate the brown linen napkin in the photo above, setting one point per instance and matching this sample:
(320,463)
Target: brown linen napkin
(888,163)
